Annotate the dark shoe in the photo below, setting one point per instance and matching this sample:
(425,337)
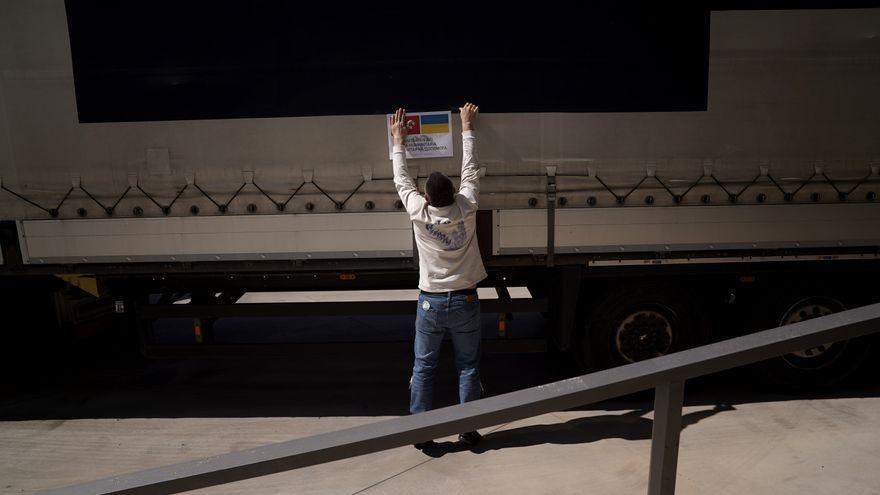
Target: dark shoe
(470,438)
(425,445)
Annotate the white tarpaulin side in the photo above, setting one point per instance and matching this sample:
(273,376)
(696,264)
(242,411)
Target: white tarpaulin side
(337,235)
(635,229)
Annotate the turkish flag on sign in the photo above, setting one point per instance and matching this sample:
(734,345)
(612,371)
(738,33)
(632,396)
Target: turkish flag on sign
(414,123)
(416,126)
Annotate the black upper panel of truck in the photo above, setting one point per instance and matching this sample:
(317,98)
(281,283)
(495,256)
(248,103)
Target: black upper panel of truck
(143,60)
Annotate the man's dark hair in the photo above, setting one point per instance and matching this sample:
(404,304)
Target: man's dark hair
(440,190)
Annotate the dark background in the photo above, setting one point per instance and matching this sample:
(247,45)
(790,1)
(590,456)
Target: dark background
(167,59)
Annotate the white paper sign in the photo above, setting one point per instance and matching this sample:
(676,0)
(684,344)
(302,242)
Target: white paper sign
(430,135)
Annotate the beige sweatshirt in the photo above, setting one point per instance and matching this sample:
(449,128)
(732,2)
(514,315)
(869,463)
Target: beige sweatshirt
(449,257)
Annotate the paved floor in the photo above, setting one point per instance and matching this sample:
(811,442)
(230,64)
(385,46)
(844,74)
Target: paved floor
(814,446)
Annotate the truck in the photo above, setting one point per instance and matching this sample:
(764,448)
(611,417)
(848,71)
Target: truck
(636,233)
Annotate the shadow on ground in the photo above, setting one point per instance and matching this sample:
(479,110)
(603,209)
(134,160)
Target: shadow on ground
(108,383)
(631,425)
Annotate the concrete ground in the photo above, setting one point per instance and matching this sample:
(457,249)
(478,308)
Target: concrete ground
(813,446)
(89,415)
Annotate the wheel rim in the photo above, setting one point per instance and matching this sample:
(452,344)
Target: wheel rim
(820,355)
(643,334)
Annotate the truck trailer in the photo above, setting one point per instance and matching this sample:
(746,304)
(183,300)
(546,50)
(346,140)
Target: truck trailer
(637,233)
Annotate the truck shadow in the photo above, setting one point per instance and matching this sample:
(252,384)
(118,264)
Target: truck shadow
(631,425)
(326,384)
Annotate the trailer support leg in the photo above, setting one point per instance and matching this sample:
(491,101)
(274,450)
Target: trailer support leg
(143,328)
(551,214)
(668,401)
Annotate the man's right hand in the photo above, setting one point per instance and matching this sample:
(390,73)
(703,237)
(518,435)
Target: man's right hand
(399,126)
(469,114)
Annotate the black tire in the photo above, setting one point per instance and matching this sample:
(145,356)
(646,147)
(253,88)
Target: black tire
(661,319)
(817,368)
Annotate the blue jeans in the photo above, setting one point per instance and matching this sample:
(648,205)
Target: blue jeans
(459,315)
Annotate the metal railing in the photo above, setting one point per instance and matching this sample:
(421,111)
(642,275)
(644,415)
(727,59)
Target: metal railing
(666,374)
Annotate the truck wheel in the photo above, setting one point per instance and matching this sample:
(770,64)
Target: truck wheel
(818,367)
(634,323)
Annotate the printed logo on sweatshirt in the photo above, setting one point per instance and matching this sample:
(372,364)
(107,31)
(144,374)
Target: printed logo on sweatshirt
(452,240)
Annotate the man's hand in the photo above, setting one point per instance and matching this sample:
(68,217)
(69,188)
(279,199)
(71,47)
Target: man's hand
(469,114)
(399,126)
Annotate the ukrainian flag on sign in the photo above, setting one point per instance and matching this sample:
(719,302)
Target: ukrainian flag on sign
(437,123)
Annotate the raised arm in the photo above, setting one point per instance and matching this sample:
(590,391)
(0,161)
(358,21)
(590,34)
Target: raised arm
(470,171)
(406,188)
